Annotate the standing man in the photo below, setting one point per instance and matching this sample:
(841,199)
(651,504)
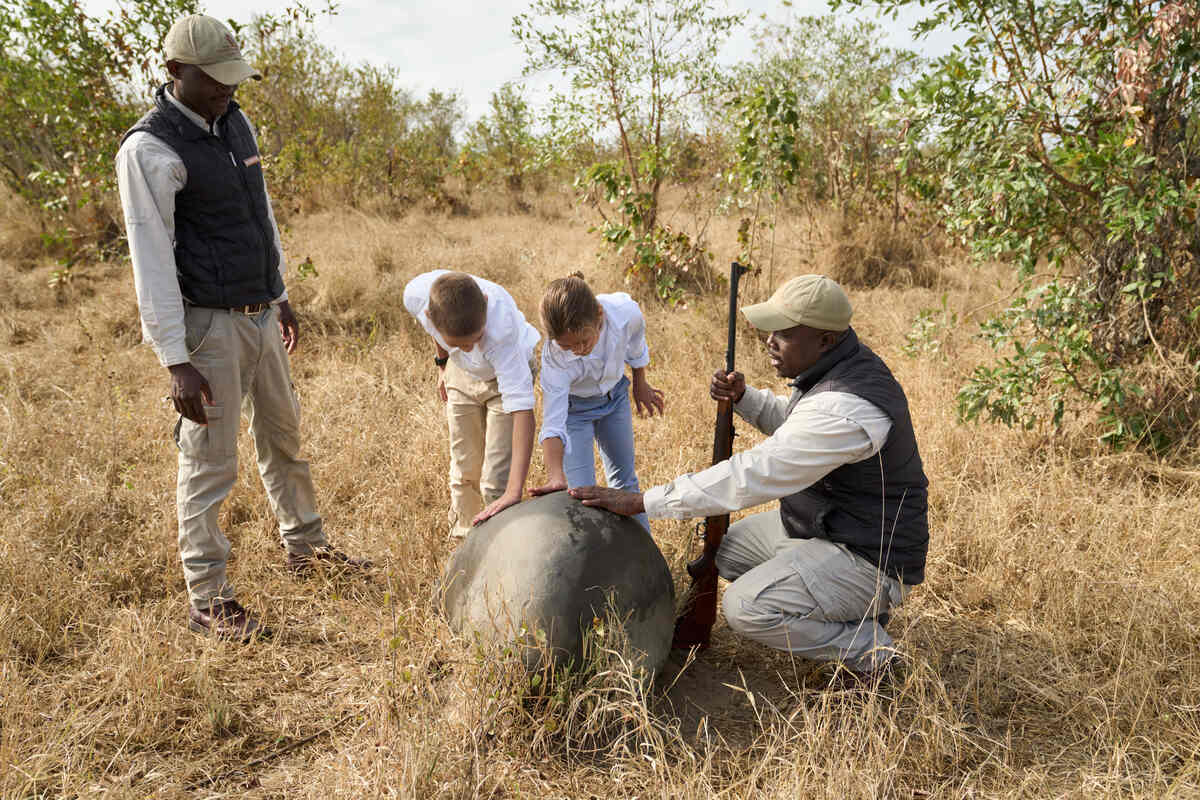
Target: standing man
(208,269)
(848,542)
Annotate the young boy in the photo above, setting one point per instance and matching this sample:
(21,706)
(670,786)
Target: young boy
(483,346)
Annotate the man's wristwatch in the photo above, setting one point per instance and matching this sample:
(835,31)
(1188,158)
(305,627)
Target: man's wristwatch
(441,361)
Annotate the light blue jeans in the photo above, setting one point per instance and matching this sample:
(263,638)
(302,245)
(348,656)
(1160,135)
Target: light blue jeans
(607,420)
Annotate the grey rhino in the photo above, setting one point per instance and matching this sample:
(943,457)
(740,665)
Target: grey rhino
(552,564)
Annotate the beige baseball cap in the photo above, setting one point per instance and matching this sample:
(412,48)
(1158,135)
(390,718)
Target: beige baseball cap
(202,40)
(812,300)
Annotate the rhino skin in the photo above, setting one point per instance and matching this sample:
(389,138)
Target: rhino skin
(552,564)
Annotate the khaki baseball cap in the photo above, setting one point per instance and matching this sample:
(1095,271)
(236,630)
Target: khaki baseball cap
(812,300)
(201,40)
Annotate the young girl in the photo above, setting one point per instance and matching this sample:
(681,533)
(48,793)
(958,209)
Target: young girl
(585,394)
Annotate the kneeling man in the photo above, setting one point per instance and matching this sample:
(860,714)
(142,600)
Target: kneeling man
(818,576)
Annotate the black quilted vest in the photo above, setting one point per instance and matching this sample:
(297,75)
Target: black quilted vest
(225,254)
(876,507)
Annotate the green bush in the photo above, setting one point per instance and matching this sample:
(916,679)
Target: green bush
(502,147)
(803,111)
(637,69)
(72,85)
(1064,136)
(333,134)
(805,127)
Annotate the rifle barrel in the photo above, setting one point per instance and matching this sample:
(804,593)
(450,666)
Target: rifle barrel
(694,626)
(736,271)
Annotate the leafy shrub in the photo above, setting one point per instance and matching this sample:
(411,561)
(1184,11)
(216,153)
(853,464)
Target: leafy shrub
(1065,138)
(333,134)
(636,70)
(502,148)
(804,111)
(72,85)
(803,129)
(930,330)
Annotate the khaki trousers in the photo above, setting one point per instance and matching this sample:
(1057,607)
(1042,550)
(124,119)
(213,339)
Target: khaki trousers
(244,361)
(811,597)
(480,445)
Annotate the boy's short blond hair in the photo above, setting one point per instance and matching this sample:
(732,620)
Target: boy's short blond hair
(568,306)
(457,306)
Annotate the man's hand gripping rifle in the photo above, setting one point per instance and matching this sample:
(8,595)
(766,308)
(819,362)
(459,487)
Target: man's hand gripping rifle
(694,626)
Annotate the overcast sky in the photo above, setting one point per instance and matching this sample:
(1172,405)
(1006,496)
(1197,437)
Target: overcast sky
(467,45)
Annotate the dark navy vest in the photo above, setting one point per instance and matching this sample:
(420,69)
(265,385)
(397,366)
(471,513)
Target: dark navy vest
(225,254)
(876,507)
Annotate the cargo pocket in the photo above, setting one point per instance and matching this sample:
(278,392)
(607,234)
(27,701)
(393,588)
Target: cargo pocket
(203,442)
(767,598)
(840,589)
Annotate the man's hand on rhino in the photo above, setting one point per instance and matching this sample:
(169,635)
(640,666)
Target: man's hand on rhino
(617,501)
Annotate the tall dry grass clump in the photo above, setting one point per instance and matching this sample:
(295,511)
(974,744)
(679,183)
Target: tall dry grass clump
(1052,650)
(873,249)
(20,235)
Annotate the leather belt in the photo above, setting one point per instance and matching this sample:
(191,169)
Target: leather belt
(253,308)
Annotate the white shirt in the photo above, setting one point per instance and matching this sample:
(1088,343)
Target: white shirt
(822,433)
(149,175)
(622,341)
(503,353)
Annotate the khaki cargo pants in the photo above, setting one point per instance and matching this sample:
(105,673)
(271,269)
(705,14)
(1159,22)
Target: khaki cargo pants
(244,361)
(480,445)
(811,597)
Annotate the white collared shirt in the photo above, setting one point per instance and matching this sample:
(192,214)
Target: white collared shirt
(149,175)
(505,350)
(622,341)
(822,433)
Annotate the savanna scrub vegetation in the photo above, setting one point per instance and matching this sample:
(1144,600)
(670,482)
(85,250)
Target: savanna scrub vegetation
(1016,222)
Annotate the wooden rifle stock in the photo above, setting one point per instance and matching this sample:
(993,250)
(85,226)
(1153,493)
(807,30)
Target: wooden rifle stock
(694,625)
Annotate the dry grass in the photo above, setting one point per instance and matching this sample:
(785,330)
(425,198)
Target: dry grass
(872,250)
(1054,646)
(20,235)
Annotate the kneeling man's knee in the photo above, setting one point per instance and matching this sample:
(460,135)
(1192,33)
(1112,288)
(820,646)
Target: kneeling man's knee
(745,614)
(726,567)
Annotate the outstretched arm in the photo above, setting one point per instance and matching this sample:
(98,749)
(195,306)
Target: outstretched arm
(522,449)
(617,501)
(556,479)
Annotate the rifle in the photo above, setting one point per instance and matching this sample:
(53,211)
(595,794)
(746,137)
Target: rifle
(700,611)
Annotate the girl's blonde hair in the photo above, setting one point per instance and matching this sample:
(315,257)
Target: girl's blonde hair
(568,306)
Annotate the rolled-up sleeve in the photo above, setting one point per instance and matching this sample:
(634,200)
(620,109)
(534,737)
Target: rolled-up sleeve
(637,351)
(149,175)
